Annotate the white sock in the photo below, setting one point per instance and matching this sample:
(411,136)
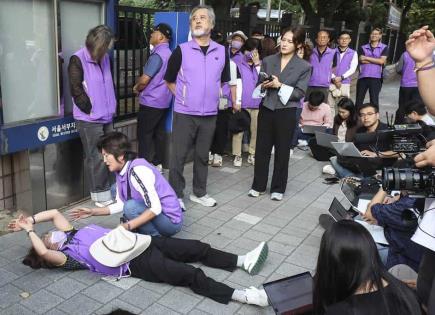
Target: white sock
(240,260)
(239,296)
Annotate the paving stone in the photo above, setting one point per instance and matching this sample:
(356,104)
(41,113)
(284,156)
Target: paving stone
(102,291)
(157,309)
(160,288)
(280,248)
(237,225)
(288,269)
(221,215)
(55,311)
(228,232)
(304,256)
(124,283)
(216,274)
(179,301)
(41,301)
(245,280)
(216,240)
(9,295)
(212,307)
(6,277)
(276,221)
(17,309)
(4,261)
(287,239)
(66,287)
(251,309)
(15,252)
(79,304)
(197,312)
(210,222)
(273,261)
(118,304)
(18,268)
(257,236)
(86,277)
(139,297)
(198,229)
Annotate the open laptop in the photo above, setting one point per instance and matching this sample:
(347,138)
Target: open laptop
(313,129)
(291,295)
(359,202)
(346,149)
(325,139)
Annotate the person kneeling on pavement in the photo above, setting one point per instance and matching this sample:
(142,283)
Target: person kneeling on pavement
(148,202)
(120,253)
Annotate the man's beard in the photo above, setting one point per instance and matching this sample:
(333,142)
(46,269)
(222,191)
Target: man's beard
(200,32)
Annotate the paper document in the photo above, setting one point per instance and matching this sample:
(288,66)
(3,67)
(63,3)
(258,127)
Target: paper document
(362,205)
(376,231)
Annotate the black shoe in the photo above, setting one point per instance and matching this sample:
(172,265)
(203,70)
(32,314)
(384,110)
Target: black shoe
(326,221)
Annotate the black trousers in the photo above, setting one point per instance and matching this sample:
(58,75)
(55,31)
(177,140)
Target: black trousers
(319,152)
(221,133)
(373,85)
(151,134)
(165,260)
(274,128)
(406,94)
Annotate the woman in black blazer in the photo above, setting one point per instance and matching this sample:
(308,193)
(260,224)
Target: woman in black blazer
(277,116)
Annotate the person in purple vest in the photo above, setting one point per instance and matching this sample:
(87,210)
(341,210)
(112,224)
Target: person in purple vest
(247,78)
(321,60)
(408,85)
(344,66)
(372,58)
(196,71)
(237,40)
(94,105)
(154,98)
(153,259)
(147,201)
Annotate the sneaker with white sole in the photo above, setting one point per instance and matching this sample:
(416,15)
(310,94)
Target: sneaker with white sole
(205,200)
(256,296)
(276,196)
(183,207)
(103,204)
(328,169)
(217,160)
(237,161)
(255,259)
(251,159)
(254,193)
(302,143)
(210,158)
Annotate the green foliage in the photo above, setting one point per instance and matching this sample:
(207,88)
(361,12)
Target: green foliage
(152,4)
(421,13)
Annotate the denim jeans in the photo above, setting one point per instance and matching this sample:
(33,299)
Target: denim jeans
(341,171)
(383,252)
(160,225)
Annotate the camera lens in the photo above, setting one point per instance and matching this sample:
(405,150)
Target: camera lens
(404,179)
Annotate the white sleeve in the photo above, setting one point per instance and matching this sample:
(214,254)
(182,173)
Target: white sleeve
(284,93)
(148,180)
(233,73)
(353,66)
(239,91)
(118,206)
(257,92)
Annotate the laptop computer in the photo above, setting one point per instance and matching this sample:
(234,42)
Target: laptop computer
(339,212)
(313,129)
(291,295)
(324,139)
(346,149)
(359,202)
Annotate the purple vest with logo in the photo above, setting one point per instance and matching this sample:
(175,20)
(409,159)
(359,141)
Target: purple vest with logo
(168,199)
(371,70)
(409,77)
(322,67)
(78,248)
(156,94)
(344,63)
(249,77)
(98,84)
(199,79)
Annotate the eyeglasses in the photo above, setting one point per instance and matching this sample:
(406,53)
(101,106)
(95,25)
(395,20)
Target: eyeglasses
(367,115)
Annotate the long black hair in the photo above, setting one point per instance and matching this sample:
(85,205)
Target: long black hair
(349,260)
(347,104)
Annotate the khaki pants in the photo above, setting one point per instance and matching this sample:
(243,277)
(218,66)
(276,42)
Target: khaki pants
(333,101)
(238,137)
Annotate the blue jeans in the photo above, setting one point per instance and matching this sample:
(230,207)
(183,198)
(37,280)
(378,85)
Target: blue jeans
(161,225)
(383,252)
(341,171)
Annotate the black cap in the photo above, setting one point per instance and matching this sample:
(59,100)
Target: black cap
(165,29)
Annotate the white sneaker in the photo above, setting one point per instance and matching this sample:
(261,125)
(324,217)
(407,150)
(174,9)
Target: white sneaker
(254,193)
(302,143)
(255,259)
(183,207)
(237,161)
(291,152)
(251,159)
(205,200)
(276,196)
(217,160)
(103,204)
(328,169)
(256,296)
(210,158)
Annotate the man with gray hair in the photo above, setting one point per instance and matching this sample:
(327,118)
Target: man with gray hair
(195,73)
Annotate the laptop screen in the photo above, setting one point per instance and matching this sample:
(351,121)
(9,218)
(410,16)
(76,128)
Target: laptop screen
(349,193)
(291,295)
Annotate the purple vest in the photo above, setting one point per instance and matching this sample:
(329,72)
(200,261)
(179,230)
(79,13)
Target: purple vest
(156,94)
(98,84)
(409,77)
(249,77)
(371,70)
(199,79)
(226,92)
(344,64)
(237,58)
(78,248)
(322,67)
(168,199)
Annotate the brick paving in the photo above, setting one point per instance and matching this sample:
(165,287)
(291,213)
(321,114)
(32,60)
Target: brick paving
(236,225)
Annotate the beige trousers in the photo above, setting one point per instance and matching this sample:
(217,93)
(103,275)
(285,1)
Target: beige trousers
(333,101)
(238,137)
